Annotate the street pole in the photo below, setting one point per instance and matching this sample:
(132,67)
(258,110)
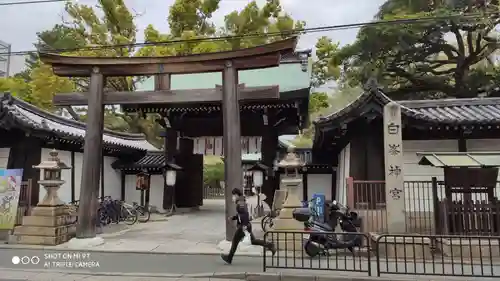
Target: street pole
(233,172)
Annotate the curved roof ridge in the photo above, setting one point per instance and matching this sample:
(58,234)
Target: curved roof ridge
(379,95)
(59,119)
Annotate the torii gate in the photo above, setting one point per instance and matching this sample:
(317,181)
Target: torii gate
(97,68)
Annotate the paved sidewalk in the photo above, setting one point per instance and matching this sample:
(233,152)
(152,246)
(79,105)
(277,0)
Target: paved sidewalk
(189,233)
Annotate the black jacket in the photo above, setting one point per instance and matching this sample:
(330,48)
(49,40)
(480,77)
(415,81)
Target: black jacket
(242,215)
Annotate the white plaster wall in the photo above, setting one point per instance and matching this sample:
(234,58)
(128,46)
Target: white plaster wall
(155,195)
(4,157)
(418,196)
(131,195)
(78,173)
(413,171)
(156,192)
(343,174)
(112,180)
(319,183)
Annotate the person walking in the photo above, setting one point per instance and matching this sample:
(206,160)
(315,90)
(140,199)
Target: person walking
(242,219)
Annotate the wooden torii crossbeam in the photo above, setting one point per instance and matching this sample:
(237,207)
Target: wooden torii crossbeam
(168,96)
(97,68)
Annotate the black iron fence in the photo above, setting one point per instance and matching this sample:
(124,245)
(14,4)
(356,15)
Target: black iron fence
(378,255)
(444,255)
(292,253)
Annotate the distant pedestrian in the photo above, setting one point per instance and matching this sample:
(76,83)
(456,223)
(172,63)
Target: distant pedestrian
(242,219)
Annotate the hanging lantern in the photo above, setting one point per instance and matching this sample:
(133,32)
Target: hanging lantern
(142,181)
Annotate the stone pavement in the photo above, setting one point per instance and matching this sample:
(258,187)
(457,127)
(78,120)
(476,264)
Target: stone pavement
(195,232)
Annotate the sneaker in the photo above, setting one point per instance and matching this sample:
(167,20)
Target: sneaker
(226,258)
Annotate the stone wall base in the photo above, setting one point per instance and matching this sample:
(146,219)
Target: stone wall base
(47,225)
(402,247)
(468,248)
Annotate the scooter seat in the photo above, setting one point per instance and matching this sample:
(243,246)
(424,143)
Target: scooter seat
(323,225)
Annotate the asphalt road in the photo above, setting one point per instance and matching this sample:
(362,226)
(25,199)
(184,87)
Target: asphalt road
(101,262)
(121,262)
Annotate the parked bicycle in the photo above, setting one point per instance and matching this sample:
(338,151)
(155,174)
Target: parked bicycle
(117,211)
(142,211)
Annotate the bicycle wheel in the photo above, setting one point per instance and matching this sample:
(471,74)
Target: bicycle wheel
(143,213)
(266,223)
(104,219)
(130,215)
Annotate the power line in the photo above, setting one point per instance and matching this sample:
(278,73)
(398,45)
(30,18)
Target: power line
(30,2)
(422,20)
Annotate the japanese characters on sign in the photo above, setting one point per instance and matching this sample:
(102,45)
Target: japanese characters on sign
(394,172)
(393,129)
(395,193)
(394,149)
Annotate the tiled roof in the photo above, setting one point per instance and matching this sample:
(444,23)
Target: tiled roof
(476,110)
(23,114)
(446,111)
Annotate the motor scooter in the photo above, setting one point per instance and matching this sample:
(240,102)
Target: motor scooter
(318,243)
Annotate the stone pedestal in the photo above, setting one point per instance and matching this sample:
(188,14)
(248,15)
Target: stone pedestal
(47,225)
(290,231)
(402,247)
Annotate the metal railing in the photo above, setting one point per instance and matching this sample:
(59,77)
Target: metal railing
(443,255)
(23,208)
(421,200)
(213,192)
(291,254)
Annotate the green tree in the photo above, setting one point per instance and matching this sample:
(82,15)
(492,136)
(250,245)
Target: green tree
(426,60)
(318,101)
(324,69)
(213,174)
(110,22)
(342,96)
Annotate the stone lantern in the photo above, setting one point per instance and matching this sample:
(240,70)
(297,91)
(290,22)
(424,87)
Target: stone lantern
(290,182)
(51,179)
(50,222)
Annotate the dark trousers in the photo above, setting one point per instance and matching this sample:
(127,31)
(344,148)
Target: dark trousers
(240,234)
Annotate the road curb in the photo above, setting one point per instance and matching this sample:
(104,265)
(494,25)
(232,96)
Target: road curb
(49,248)
(247,276)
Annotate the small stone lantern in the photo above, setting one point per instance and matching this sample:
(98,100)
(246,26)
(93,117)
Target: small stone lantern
(291,181)
(51,178)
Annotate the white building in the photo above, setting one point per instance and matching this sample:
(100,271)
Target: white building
(28,134)
(352,141)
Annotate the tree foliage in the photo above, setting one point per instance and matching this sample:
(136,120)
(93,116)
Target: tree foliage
(440,58)
(213,174)
(111,22)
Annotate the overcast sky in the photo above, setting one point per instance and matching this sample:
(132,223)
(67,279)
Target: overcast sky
(20,23)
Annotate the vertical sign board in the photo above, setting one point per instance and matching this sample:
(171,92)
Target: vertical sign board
(394,176)
(10,188)
(318,201)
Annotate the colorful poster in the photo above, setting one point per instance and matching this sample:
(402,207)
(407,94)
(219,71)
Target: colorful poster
(10,188)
